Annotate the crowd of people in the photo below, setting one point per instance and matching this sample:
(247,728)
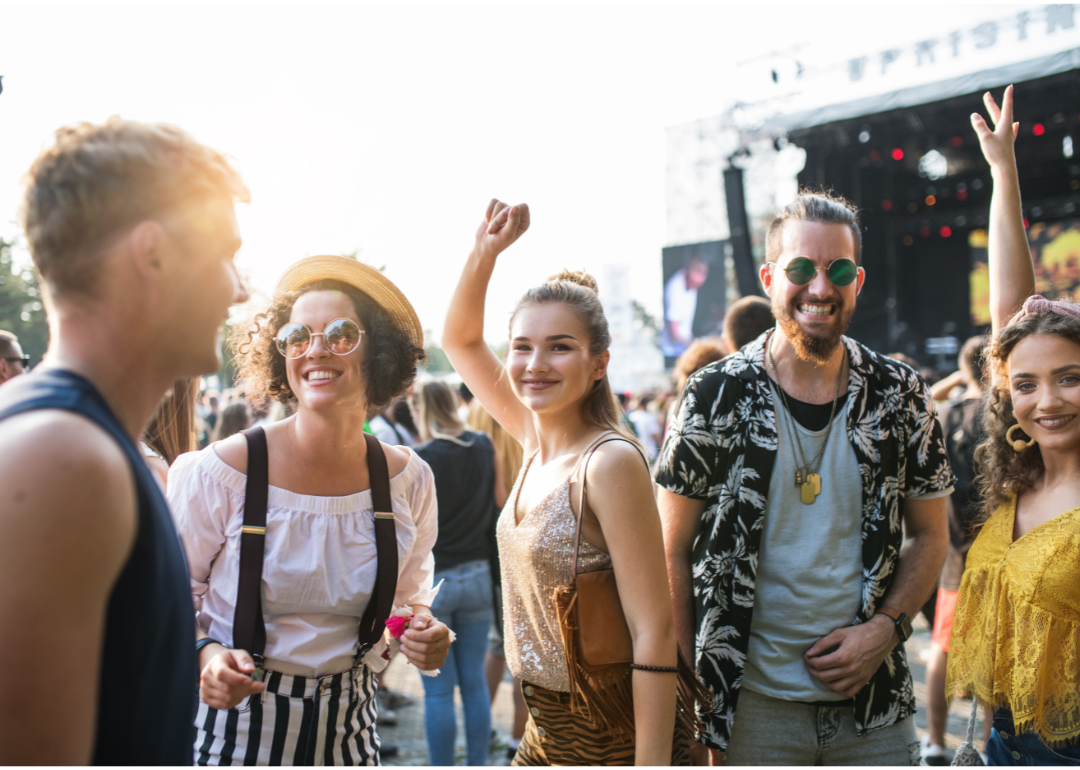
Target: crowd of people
(722,573)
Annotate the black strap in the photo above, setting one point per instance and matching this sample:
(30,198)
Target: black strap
(249,628)
(381,604)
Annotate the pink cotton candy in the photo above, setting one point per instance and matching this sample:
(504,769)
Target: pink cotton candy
(397,625)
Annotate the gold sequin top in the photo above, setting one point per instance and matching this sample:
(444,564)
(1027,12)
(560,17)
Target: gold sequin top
(537,556)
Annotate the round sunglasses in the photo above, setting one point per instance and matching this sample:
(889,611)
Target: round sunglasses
(801,271)
(341,337)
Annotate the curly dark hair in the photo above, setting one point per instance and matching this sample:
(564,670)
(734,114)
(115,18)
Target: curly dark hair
(1003,472)
(389,367)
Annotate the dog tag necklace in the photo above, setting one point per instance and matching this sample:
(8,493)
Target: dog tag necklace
(807,478)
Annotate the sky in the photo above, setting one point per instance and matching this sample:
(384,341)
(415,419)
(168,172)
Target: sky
(386,129)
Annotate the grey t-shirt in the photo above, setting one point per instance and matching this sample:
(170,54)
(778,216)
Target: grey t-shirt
(809,576)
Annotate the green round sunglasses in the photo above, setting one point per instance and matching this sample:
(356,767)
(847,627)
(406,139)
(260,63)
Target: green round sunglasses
(801,271)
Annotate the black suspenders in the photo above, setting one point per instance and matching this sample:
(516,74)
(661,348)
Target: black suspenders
(249,628)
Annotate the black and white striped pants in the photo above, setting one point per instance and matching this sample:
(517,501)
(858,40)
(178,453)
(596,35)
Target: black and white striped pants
(297,721)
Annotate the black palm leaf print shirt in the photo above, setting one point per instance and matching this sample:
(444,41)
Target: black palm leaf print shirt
(721,449)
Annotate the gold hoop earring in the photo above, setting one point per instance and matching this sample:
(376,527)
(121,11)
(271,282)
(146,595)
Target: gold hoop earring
(1017,444)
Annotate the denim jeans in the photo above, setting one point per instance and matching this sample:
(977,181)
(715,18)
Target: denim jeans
(1005,747)
(464,604)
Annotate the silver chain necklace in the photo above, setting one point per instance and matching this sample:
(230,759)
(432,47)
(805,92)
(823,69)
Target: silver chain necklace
(807,479)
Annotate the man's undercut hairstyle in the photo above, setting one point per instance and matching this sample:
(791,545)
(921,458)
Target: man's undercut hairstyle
(747,320)
(810,206)
(95,180)
(7,344)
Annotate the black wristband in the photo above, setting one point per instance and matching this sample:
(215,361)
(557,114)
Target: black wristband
(661,669)
(203,643)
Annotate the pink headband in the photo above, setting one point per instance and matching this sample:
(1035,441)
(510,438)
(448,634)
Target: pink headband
(1037,303)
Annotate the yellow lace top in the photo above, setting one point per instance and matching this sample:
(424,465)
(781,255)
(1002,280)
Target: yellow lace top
(1016,632)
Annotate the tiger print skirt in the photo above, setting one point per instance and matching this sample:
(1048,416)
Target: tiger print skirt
(556,737)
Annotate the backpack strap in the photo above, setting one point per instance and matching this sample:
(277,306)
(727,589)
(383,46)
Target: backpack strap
(583,499)
(249,629)
(381,604)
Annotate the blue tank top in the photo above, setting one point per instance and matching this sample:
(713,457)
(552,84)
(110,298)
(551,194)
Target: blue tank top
(146,697)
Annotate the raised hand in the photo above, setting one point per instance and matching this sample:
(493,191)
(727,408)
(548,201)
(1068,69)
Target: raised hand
(997,145)
(503,224)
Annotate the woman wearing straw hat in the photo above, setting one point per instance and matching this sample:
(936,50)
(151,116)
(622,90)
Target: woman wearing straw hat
(295,560)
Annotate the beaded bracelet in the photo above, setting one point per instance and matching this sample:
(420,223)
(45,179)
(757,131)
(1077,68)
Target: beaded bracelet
(661,669)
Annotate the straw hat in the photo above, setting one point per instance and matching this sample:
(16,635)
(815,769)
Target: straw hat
(365,278)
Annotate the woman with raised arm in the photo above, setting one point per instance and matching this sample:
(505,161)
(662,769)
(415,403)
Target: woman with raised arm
(553,396)
(1016,632)
(305,536)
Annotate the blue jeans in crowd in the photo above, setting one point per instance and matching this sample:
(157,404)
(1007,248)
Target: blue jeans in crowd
(464,604)
(1005,747)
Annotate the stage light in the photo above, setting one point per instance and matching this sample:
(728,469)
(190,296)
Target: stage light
(897,154)
(924,232)
(912,208)
(864,135)
(875,155)
(886,205)
(930,200)
(961,195)
(1067,146)
(1075,184)
(934,165)
(946,231)
(908,240)
(1038,129)
(958,141)
(1026,223)
(976,184)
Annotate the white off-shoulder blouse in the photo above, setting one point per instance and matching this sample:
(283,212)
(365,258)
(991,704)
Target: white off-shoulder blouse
(320,560)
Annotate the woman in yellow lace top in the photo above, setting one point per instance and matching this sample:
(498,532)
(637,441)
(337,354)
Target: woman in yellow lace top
(1016,632)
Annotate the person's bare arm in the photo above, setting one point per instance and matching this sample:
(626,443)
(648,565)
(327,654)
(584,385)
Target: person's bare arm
(500,483)
(621,497)
(463,335)
(1012,274)
(941,389)
(860,650)
(680,517)
(67,526)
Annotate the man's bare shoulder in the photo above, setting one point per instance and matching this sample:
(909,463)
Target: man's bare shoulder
(64,436)
(59,469)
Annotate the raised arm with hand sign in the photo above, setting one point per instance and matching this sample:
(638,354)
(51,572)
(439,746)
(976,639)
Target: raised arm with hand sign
(1012,277)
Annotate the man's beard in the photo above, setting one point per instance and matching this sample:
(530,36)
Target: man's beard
(808,347)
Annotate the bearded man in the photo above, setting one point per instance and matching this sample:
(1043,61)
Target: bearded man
(790,478)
